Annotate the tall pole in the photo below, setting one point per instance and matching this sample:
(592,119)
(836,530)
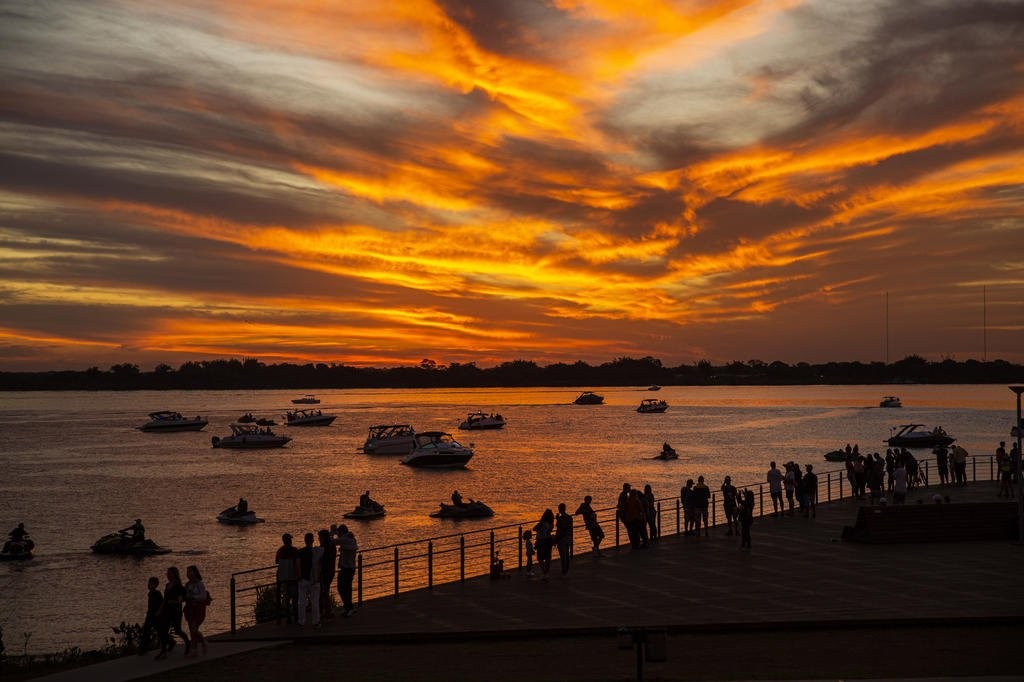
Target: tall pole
(887,327)
(1020,486)
(984,323)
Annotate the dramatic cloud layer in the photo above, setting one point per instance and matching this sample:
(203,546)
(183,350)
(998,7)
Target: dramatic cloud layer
(368,182)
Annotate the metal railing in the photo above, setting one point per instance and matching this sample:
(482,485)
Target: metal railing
(393,569)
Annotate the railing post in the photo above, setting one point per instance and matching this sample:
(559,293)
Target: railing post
(462,558)
(359,576)
(520,539)
(233,605)
(714,511)
(974,469)
(677,515)
(828,480)
(659,518)
(840,486)
(616,530)
(490,559)
(396,571)
(926,478)
(430,563)
(990,476)
(760,497)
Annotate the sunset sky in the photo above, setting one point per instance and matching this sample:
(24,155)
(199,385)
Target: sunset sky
(373,183)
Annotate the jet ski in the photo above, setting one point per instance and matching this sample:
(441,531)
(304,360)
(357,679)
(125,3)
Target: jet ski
(17,550)
(124,543)
(233,517)
(474,509)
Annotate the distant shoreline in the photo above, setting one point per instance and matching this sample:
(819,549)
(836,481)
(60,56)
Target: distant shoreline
(251,374)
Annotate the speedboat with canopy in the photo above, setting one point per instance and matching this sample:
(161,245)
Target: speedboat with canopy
(166,421)
(250,436)
(390,439)
(481,420)
(437,450)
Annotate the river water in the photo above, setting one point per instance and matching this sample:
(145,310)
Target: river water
(74,468)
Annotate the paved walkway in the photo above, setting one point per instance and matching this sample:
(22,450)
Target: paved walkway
(799,576)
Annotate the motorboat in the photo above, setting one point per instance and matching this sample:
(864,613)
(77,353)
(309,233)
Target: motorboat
(836,456)
(654,387)
(308,399)
(652,405)
(123,543)
(390,439)
(480,420)
(309,418)
(667,452)
(589,398)
(373,511)
(233,517)
(437,450)
(890,401)
(18,550)
(914,436)
(249,418)
(250,436)
(166,421)
(474,509)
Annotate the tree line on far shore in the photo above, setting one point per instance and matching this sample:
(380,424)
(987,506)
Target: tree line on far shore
(250,373)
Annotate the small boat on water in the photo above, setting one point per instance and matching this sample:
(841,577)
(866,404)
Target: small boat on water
(308,399)
(480,420)
(374,511)
(309,418)
(913,436)
(652,406)
(474,509)
(890,401)
(588,398)
(390,439)
(654,387)
(835,456)
(166,421)
(123,543)
(250,437)
(437,450)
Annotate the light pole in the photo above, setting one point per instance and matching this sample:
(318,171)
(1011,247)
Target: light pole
(1020,490)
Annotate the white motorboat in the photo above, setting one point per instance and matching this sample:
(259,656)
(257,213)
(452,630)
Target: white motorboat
(250,436)
(652,405)
(437,450)
(168,421)
(308,399)
(309,418)
(390,439)
(909,436)
(890,401)
(481,420)
(589,398)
